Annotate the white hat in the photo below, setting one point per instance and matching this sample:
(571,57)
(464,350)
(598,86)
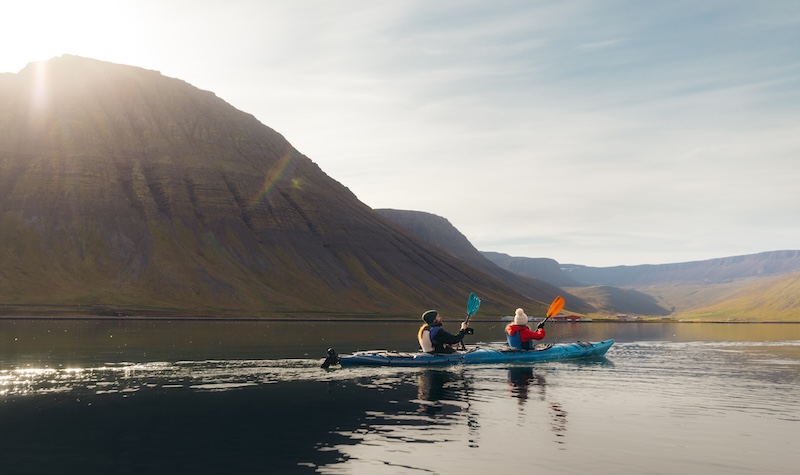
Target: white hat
(520,318)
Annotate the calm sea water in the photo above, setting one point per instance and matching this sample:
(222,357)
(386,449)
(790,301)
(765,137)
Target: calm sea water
(249,397)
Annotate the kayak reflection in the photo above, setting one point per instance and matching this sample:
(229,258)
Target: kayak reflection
(446,394)
(438,390)
(520,379)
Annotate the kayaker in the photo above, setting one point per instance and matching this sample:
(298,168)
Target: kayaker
(435,339)
(519,335)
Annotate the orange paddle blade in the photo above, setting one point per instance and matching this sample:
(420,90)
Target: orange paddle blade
(556,306)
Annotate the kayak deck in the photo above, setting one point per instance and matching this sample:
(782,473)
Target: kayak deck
(478,355)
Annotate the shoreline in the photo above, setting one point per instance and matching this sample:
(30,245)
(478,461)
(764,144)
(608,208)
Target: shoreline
(199,318)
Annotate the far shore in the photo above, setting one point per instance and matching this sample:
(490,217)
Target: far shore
(332,318)
(116,313)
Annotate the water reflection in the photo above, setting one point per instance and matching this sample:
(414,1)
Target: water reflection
(520,379)
(210,405)
(452,397)
(559,421)
(438,390)
(444,395)
(523,379)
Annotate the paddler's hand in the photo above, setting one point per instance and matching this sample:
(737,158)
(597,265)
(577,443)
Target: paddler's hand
(540,326)
(464,326)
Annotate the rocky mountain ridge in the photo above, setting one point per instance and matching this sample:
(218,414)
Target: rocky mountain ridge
(126,188)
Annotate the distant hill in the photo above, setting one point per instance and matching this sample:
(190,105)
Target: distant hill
(439,232)
(548,270)
(710,271)
(121,188)
(772,299)
(614,300)
(753,287)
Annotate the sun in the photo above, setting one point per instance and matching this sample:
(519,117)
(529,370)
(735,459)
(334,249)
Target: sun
(38,30)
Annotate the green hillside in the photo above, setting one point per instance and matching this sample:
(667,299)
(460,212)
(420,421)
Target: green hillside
(773,299)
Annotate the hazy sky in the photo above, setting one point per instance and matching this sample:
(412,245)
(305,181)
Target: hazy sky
(591,132)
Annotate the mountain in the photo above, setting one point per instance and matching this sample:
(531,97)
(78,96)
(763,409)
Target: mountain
(710,271)
(766,299)
(752,287)
(124,189)
(439,232)
(548,270)
(614,300)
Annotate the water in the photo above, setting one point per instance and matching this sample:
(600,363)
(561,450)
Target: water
(249,397)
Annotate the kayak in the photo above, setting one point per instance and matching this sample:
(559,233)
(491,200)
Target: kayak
(476,355)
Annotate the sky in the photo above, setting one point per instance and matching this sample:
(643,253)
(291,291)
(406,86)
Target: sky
(600,133)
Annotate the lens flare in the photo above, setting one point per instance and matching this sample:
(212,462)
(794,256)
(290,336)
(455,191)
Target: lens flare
(40,94)
(273,176)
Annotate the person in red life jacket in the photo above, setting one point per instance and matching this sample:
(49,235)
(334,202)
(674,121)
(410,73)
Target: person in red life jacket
(519,335)
(433,338)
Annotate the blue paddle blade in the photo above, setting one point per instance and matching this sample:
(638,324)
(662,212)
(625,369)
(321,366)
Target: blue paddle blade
(472,304)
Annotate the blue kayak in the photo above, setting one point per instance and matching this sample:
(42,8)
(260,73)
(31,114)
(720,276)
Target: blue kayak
(477,355)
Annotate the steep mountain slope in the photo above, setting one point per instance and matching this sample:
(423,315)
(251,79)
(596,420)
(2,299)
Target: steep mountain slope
(439,232)
(120,186)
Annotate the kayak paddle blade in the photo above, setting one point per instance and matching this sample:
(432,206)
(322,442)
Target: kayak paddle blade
(555,307)
(472,304)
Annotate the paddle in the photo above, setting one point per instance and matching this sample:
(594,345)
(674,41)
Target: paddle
(473,303)
(555,307)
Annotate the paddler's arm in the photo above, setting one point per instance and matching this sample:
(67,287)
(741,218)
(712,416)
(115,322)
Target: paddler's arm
(447,338)
(527,334)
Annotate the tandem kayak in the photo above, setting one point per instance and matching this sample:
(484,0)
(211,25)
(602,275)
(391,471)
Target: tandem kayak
(477,355)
